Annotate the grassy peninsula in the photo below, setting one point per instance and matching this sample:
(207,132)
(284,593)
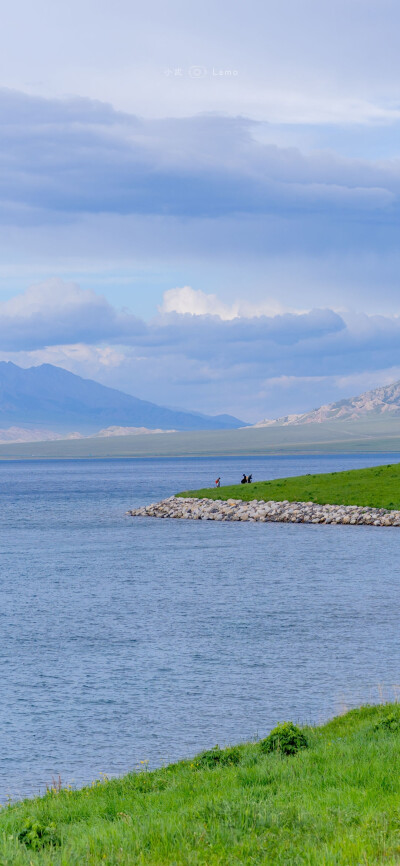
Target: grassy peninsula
(376,487)
(335,801)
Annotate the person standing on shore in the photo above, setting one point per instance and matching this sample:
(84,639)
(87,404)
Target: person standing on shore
(218,482)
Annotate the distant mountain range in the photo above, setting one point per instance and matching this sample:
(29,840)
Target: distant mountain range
(47,401)
(381,401)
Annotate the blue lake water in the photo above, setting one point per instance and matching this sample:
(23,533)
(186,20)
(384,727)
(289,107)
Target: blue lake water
(136,639)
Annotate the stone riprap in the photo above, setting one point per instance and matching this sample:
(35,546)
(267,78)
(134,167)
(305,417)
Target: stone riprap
(258,510)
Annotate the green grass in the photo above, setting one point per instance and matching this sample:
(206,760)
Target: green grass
(335,802)
(377,487)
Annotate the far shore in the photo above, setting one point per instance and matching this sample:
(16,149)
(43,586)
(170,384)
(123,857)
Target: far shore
(333,437)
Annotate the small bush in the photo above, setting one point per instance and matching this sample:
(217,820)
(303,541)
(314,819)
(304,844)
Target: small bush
(35,835)
(286,738)
(388,723)
(217,757)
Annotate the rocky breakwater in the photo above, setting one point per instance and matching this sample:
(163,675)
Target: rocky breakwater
(257,510)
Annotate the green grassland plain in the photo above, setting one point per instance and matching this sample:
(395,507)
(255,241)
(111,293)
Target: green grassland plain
(376,434)
(334,803)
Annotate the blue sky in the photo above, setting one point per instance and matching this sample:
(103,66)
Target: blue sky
(200,205)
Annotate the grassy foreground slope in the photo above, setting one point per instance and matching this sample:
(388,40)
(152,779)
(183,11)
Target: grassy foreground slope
(376,487)
(335,802)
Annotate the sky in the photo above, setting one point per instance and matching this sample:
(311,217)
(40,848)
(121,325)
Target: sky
(199,202)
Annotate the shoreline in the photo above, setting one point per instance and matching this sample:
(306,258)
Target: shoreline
(185,508)
(319,793)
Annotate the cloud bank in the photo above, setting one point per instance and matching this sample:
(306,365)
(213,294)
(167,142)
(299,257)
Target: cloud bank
(86,190)
(211,357)
(60,159)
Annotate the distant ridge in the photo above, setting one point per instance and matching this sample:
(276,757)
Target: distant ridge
(50,398)
(380,401)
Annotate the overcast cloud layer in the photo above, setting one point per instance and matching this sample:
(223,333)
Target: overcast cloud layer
(137,206)
(204,200)
(78,157)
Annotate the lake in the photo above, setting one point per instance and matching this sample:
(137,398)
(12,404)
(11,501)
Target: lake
(127,640)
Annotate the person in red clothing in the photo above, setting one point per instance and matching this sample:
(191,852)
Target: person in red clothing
(218,482)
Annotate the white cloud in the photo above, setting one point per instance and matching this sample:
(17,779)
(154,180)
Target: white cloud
(195,302)
(55,296)
(56,313)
